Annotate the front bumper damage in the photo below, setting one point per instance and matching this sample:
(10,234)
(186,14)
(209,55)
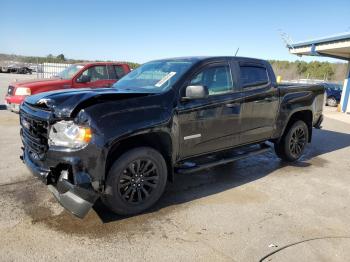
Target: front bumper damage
(76,196)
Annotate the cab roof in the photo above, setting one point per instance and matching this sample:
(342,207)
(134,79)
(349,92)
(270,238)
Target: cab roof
(209,58)
(101,63)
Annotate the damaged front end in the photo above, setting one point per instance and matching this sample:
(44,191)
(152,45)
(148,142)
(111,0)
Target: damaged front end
(66,139)
(70,173)
(73,191)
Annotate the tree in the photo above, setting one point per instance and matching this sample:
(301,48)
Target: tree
(61,57)
(302,67)
(312,70)
(320,70)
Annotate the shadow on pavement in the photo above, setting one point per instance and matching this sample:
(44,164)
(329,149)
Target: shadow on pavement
(326,141)
(212,181)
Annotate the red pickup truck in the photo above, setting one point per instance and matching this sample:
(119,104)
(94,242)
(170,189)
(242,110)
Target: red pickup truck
(95,75)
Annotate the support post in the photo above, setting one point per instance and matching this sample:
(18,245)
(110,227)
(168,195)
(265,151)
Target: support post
(345,101)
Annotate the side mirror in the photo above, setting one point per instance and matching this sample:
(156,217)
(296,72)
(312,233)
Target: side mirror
(196,92)
(83,79)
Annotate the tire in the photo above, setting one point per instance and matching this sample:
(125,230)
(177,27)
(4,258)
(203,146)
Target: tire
(292,144)
(331,101)
(136,181)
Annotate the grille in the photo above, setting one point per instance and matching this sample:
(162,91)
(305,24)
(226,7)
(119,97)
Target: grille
(11,90)
(34,135)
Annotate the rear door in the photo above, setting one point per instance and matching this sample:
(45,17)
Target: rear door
(212,123)
(98,77)
(260,104)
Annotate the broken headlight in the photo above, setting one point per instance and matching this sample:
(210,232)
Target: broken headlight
(68,134)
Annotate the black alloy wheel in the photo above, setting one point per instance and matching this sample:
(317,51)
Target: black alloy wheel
(135,181)
(297,142)
(293,142)
(138,181)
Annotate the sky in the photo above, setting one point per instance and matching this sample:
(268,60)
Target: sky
(140,31)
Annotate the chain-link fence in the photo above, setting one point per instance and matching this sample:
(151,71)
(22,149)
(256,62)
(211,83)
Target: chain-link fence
(49,70)
(42,70)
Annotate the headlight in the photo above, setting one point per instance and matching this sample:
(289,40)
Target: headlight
(23,91)
(68,134)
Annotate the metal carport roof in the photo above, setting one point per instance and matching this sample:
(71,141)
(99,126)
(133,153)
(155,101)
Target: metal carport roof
(335,46)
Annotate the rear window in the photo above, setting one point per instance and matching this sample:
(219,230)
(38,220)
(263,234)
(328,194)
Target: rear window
(253,76)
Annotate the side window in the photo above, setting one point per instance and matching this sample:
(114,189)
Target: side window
(216,78)
(115,71)
(253,76)
(119,71)
(96,73)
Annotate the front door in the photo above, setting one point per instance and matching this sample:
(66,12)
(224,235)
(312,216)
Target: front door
(98,75)
(210,124)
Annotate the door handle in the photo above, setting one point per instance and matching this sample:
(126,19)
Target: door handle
(267,99)
(232,105)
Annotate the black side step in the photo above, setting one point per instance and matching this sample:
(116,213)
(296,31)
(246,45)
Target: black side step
(192,167)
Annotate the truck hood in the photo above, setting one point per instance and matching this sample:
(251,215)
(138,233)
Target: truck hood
(39,82)
(68,102)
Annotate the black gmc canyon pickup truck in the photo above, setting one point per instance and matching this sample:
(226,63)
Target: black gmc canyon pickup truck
(180,115)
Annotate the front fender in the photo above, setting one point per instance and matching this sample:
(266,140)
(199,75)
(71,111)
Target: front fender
(117,125)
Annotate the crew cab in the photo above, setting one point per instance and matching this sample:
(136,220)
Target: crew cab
(92,75)
(181,115)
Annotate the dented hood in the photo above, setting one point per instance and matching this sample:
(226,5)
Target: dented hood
(64,103)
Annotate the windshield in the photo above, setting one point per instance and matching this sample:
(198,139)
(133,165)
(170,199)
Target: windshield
(69,72)
(155,76)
